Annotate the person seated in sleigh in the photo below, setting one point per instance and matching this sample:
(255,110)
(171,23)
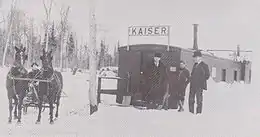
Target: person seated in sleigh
(33,85)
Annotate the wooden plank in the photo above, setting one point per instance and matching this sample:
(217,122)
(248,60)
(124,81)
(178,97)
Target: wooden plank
(113,78)
(28,79)
(108,91)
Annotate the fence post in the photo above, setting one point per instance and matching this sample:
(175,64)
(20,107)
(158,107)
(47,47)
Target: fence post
(99,90)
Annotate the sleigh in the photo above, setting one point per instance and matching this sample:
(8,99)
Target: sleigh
(31,98)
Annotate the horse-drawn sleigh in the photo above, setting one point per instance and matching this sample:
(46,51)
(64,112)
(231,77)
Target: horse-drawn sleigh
(22,89)
(31,98)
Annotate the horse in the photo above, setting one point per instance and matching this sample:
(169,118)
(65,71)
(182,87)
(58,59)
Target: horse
(51,89)
(16,89)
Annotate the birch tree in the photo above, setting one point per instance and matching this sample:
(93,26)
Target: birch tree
(48,14)
(10,24)
(63,30)
(93,59)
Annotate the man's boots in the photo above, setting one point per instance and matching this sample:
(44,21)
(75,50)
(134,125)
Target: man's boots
(199,109)
(191,107)
(181,106)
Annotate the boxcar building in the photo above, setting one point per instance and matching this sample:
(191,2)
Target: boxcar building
(133,62)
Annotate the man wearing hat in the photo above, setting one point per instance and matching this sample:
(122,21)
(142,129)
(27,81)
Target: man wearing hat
(198,82)
(155,81)
(34,71)
(33,75)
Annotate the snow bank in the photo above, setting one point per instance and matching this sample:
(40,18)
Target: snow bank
(229,110)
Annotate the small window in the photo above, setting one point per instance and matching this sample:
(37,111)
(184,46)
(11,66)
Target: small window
(250,75)
(235,75)
(223,75)
(214,72)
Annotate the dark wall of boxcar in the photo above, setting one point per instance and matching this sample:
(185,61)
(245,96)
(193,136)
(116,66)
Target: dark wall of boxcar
(216,65)
(136,59)
(128,64)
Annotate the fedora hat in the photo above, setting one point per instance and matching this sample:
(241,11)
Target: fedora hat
(197,54)
(158,55)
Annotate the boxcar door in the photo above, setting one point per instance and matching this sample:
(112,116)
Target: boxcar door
(129,63)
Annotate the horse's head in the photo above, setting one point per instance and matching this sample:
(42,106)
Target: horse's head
(20,55)
(46,59)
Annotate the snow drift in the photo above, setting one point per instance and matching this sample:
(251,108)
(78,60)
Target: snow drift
(229,110)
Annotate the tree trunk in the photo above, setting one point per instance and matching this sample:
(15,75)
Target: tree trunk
(9,32)
(93,61)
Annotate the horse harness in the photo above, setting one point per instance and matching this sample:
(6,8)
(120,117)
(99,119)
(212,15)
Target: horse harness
(49,79)
(9,75)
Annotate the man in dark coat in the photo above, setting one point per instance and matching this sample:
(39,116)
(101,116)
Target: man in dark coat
(156,77)
(33,75)
(199,76)
(35,70)
(183,81)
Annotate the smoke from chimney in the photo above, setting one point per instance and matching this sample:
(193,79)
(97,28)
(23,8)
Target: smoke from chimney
(195,36)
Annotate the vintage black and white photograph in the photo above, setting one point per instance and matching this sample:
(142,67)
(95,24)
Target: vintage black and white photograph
(129,68)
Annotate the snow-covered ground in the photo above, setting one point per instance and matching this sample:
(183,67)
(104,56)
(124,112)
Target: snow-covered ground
(229,111)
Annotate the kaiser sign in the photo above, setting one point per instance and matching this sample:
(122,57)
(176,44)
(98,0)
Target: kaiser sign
(148,31)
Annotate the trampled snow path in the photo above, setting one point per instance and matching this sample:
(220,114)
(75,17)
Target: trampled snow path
(229,111)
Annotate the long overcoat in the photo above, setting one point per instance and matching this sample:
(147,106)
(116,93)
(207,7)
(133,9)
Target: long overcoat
(199,76)
(155,81)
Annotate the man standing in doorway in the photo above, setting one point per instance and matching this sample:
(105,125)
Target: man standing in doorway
(199,76)
(156,77)
(183,81)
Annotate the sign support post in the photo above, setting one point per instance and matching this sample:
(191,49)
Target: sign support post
(169,38)
(128,37)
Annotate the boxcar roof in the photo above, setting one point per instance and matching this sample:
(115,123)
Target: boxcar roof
(153,45)
(204,53)
(149,47)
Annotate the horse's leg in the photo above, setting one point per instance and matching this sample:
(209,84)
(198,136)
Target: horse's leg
(40,110)
(57,105)
(10,110)
(51,100)
(20,103)
(15,108)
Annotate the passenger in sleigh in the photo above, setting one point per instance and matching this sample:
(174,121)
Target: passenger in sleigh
(33,85)
(35,71)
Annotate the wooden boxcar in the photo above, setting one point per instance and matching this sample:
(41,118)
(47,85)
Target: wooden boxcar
(133,62)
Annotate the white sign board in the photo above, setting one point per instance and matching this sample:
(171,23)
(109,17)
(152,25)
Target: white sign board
(173,69)
(148,31)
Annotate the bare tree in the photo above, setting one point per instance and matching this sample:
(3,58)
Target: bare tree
(48,14)
(29,39)
(14,2)
(63,30)
(93,59)
(3,17)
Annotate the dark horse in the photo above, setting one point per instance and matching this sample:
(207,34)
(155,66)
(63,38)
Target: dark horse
(16,89)
(52,89)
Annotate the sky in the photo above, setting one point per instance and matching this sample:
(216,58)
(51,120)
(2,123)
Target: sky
(223,24)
